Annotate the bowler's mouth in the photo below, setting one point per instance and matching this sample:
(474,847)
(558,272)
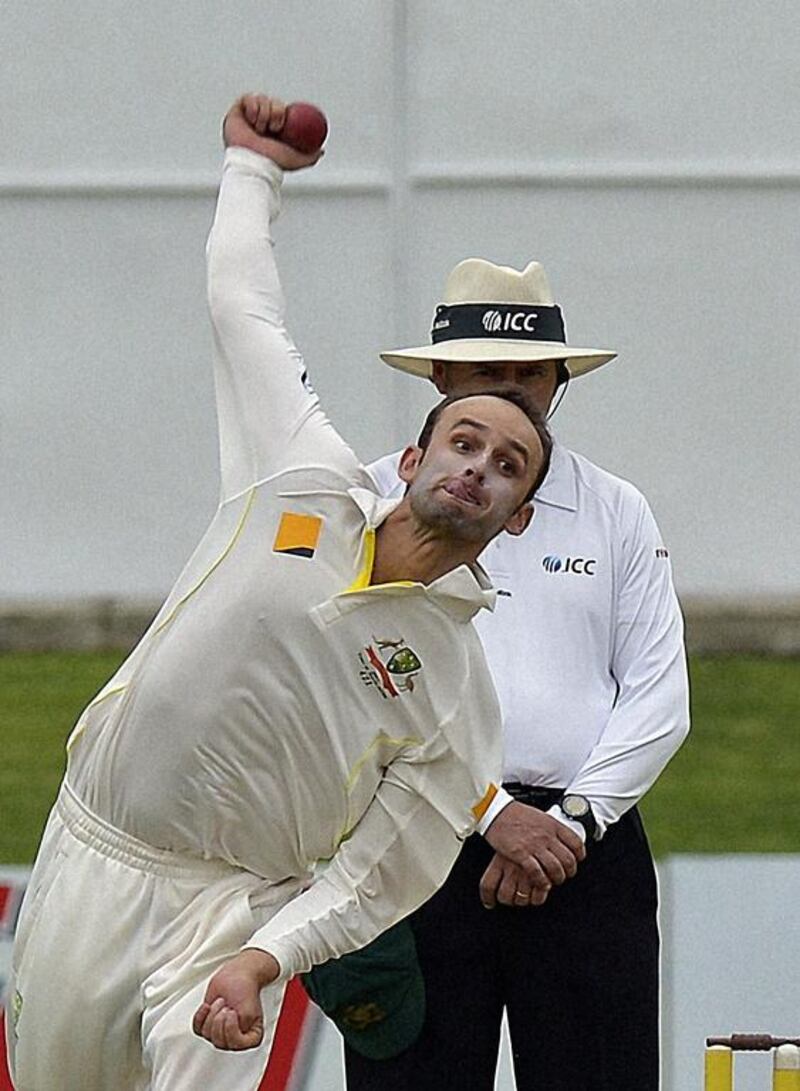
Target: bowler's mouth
(458,488)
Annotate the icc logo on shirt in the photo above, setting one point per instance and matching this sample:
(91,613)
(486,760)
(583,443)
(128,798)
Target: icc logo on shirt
(579,565)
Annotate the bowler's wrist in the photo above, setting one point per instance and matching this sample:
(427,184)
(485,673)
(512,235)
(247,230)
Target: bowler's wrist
(263,966)
(252,162)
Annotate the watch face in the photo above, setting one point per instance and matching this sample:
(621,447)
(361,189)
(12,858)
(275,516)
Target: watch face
(575,806)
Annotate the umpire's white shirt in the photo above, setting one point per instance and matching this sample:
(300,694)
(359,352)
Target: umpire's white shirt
(586,642)
(280,711)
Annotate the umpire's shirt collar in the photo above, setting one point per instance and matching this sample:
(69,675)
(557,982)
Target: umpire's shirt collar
(559,489)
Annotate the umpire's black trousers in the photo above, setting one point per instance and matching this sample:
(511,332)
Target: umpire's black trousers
(578,977)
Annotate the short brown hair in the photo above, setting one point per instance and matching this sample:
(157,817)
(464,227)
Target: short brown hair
(517,397)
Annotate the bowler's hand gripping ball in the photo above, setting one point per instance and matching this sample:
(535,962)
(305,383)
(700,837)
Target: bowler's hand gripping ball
(305,127)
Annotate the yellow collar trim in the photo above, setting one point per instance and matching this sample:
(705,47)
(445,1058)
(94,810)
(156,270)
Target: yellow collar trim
(365,575)
(362,580)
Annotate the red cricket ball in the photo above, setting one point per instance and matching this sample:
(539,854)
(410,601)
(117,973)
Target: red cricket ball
(305,127)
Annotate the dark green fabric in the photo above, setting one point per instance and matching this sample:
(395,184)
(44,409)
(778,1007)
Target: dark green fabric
(375,996)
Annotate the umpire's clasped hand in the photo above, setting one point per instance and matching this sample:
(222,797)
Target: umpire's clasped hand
(533,853)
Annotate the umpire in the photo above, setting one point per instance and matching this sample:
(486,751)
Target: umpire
(586,650)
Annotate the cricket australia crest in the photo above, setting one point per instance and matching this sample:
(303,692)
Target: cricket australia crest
(390,666)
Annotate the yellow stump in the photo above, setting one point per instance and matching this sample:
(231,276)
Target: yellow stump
(786,1068)
(719,1069)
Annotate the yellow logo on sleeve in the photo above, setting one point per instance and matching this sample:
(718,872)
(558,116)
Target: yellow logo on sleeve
(480,808)
(297,534)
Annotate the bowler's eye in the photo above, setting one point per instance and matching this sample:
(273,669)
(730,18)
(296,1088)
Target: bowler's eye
(462,444)
(507,467)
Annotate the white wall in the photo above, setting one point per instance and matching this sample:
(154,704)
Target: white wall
(647,153)
(731,952)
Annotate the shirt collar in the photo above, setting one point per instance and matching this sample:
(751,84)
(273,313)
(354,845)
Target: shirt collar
(559,488)
(462,591)
(373,507)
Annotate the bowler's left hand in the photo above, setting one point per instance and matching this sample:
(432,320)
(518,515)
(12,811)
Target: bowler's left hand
(231,1016)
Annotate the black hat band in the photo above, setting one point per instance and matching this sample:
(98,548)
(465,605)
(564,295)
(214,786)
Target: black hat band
(505,321)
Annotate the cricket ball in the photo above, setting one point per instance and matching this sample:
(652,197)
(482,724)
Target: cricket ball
(305,127)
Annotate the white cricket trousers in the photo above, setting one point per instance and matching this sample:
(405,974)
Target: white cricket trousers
(115,944)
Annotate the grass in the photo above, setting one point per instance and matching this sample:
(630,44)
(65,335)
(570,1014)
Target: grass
(42,696)
(732,788)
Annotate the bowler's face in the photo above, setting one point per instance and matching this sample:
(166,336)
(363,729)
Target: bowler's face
(481,462)
(538,378)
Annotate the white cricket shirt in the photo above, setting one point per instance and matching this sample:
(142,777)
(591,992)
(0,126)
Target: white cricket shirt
(280,711)
(586,642)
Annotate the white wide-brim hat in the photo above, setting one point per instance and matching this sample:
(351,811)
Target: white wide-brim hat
(495,313)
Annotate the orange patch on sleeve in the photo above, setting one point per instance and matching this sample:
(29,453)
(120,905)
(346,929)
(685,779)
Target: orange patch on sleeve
(480,809)
(297,534)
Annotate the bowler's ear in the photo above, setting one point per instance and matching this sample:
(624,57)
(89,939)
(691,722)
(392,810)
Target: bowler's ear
(409,463)
(520,520)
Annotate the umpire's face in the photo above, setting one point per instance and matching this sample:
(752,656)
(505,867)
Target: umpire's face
(473,479)
(538,378)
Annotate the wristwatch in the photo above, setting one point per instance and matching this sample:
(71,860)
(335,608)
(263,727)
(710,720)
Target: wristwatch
(579,809)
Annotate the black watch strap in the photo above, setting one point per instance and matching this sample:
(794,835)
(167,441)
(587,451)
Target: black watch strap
(579,809)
